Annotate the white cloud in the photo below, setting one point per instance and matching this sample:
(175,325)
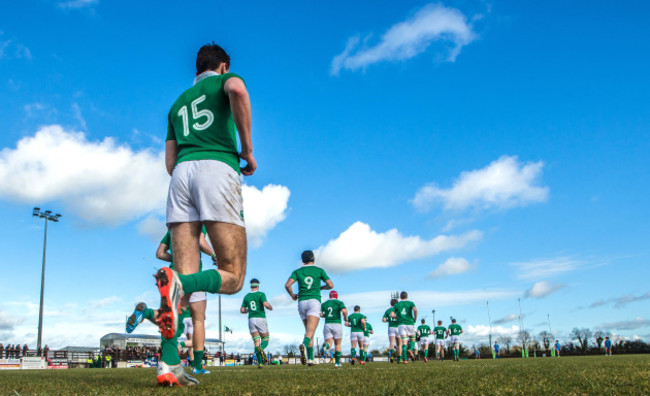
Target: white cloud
(406,39)
(264,209)
(626,324)
(507,319)
(543,289)
(107,183)
(101,182)
(504,183)
(359,247)
(77,4)
(14,50)
(76,113)
(452,266)
(539,269)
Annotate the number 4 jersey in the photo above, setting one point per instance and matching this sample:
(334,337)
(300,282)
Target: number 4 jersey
(254,302)
(201,123)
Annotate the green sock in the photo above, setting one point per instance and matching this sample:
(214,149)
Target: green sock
(197,363)
(208,281)
(412,345)
(149,314)
(170,351)
(426,352)
(306,341)
(265,342)
(353,353)
(392,352)
(259,357)
(404,351)
(310,353)
(337,357)
(182,344)
(327,346)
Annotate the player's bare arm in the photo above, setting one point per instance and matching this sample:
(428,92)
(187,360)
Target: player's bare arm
(243,310)
(268,306)
(162,253)
(240,106)
(328,285)
(171,154)
(288,287)
(415,314)
(344,311)
(205,247)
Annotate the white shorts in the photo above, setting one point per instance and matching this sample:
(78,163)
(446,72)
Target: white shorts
(406,330)
(258,324)
(366,340)
(333,330)
(424,341)
(198,297)
(454,339)
(309,307)
(357,336)
(189,326)
(440,342)
(392,332)
(205,190)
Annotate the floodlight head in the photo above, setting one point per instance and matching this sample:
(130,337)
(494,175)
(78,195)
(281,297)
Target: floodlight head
(48,212)
(58,215)
(36,211)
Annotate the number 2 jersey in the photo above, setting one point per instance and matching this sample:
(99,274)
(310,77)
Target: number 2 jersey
(201,123)
(309,278)
(254,302)
(331,309)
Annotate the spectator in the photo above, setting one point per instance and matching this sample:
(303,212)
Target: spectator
(25,349)
(2,350)
(46,351)
(39,351)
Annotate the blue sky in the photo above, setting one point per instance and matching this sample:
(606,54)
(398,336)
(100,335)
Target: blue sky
(464,151)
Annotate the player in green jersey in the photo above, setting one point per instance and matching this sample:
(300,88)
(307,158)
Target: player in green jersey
(441,334)
(357,324)
(309,278)
(392,328)
(423,332)
(366,341)
(332,310)
(196,301)
(254,304)
(406,314)
(205,188)
(454,332)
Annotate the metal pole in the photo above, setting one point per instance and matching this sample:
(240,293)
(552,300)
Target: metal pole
(221,328)
(521,324)
(40,311)
(490,323)
(549,325)
(434,317)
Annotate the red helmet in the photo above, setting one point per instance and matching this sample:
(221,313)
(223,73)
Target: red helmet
(334,294)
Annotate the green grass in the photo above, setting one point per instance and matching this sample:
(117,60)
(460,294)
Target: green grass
(618,375)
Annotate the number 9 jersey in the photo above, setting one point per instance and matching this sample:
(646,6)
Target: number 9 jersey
(309,278)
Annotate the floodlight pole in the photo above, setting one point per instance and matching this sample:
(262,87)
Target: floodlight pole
(490,323)
(521,324)
(46,216)
(220,329)
(434,317)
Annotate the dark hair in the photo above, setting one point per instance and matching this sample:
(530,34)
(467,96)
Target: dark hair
(453,321)
(357,308)
(393,301)
(307,256)
(210,56)
(254,280)
(423,321)
(403,295)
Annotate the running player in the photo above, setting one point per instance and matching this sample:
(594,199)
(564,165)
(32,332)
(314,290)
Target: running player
(392,328)
(406,314)
(332,310)
(455,331)
(309,278)
(357,324)
(254,304)
(608,347)
(441,334)
(423,332)
(557,348)
(205,189)
(366,341)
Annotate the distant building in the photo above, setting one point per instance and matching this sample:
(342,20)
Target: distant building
(122,341)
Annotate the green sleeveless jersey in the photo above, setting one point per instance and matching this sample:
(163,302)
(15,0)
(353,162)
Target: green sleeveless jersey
(424,330)
(404,311)
(254,301)
(167,240)
(332,310)
(392,321)
(355,322)
(455,329)
(201,123)
(309,279)
(368,328)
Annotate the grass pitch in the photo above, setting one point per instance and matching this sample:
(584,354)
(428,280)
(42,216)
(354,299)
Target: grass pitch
(597,375)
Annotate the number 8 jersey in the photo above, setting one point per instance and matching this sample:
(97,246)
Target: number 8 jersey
(201,123)
(254,302)
(309,278)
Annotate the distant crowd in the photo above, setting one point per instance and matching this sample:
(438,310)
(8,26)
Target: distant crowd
(16,351)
